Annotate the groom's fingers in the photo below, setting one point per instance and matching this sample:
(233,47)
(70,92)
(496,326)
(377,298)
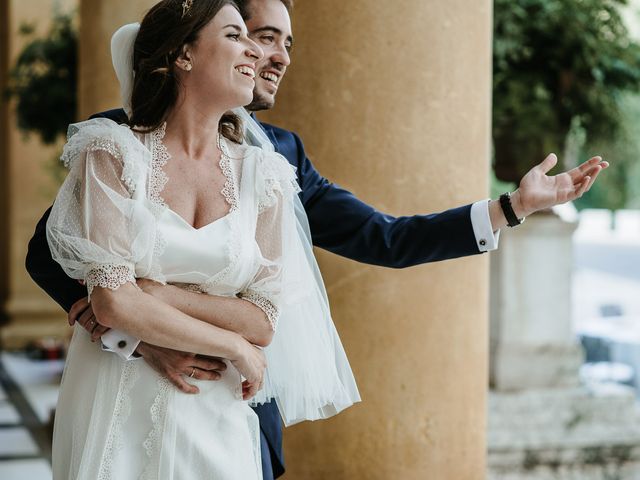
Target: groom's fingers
(584,168)
(181,384)
(593,174)
(199,374)
(98,331)
(548,163)
(582,188)
(209,363)
(86,317)
(77,309)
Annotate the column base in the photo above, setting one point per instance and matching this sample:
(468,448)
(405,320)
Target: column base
(574,433)
(520,367)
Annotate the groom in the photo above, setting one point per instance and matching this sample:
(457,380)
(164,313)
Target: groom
(339,223)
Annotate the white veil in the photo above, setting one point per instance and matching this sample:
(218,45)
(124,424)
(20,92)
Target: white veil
(308,374)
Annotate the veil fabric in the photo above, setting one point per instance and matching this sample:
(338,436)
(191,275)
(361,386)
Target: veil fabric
(308,374)
(122,43)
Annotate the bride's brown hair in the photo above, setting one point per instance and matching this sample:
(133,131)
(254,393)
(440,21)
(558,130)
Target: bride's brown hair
(165,29)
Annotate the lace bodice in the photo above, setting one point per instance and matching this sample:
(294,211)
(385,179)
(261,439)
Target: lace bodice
(111,225)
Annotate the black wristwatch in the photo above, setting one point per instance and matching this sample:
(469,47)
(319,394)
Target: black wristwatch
(507,209)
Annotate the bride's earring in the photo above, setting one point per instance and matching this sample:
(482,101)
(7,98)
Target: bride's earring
(188,67)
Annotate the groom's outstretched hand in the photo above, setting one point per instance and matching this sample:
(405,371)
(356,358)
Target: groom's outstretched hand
(539,191)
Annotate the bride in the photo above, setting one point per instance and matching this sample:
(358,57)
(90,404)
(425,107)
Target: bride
(178,197)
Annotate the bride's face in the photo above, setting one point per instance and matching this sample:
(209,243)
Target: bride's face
(222,62)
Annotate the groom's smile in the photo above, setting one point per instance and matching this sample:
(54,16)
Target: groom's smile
(270,76)
(269,25)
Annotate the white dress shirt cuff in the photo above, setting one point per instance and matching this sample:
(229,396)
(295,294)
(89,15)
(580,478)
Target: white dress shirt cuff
(486,239)
(120,343)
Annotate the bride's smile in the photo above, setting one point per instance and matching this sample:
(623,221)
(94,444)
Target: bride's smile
(222,64)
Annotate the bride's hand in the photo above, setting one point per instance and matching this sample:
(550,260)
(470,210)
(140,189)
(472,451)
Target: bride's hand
(251,364)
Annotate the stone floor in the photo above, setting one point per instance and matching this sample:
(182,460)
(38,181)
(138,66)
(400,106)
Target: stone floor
(28,394)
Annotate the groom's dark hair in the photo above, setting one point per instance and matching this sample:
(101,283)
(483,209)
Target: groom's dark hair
(165,29)
(245,7)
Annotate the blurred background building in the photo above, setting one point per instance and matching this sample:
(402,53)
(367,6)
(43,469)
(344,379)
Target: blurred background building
(401,103)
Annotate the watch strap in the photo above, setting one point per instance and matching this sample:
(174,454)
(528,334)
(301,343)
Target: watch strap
(507,209)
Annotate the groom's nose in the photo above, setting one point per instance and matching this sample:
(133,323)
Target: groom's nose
(281,56)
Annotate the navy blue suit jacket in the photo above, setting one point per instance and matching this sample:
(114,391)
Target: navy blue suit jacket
(339,223)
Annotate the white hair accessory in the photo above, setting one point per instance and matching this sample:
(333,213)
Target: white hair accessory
(186,6)
(122,44)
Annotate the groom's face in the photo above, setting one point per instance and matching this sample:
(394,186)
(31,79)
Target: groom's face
(269,25)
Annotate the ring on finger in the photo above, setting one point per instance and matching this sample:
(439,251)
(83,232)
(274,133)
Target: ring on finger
(193,371)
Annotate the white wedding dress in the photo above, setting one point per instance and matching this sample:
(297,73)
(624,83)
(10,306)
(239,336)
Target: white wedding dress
(120,420)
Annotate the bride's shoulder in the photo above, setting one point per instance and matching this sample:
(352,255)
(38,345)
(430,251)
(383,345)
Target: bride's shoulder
(268,164)
(265,159)
(102,135)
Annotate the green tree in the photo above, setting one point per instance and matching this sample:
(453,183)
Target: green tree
(557,62)
(44,83)
(620,187)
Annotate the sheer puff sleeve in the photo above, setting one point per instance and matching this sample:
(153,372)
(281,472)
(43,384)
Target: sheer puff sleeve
(101,229)
(275,183)
(307,374)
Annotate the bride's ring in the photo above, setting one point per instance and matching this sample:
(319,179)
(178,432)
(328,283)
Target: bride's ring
(192,372)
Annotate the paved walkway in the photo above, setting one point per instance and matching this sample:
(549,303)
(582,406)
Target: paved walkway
(28,394)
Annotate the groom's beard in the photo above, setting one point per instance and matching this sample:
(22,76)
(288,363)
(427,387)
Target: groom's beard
(260,102)
(265,100)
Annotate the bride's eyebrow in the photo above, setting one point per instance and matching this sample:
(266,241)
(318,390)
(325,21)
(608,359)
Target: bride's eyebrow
(233,25)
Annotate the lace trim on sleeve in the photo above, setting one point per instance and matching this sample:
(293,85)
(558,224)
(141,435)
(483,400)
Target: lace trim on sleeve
(109,276)
(230,189)
(160,157)
(279,178)
(269,308)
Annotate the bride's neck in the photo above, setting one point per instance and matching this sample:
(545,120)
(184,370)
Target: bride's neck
(193,129)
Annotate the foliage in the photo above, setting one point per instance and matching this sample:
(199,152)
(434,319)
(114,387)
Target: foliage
(43,80)
(555,61)
(619,187)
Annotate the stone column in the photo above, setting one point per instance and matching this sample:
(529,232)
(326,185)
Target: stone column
(27,188)
(98,88)
(393,101)
(532,340)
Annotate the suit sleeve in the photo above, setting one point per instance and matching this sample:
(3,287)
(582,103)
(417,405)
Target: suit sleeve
(346,226)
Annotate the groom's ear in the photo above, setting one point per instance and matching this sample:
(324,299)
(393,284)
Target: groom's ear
(185,59)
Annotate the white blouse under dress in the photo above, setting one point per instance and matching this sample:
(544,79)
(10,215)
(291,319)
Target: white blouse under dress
(109,225)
